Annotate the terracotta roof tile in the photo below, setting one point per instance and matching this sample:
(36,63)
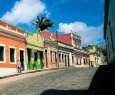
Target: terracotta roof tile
(48,35)
(65,38)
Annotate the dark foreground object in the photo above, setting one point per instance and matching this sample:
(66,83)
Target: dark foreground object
(65,92)
(103,83)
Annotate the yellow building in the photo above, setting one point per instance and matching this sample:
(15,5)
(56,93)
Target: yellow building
(96,58)
(34,50)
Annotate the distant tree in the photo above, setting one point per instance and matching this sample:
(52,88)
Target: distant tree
(98,49)
(42,23)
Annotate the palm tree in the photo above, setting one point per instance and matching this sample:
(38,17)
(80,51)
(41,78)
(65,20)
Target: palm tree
(42,23)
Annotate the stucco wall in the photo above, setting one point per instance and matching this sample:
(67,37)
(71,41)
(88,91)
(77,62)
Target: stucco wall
(34,40)
(9,42)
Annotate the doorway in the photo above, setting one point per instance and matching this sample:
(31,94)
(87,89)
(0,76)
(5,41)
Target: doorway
(22,58)
(35,62)
(46,60)
(29,54)
(68,60)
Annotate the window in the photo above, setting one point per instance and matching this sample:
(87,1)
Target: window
(12,55)
(95,58)
(2,53)
(59,57)
(72,59)
(51,55)
(46,51)
(35,56)
(62,57)
(80,61)
(84,60)
(55,57)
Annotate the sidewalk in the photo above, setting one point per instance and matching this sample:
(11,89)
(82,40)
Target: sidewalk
(28,71)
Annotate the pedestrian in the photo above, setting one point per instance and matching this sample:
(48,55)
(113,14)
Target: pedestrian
(18,66)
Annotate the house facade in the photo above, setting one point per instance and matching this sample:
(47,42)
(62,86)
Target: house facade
(109,29)
(81,56)
(93,57)
(38,50)
(96,58)
(50,50)
(65,50)
(65,55)
(12,48)
(34,51)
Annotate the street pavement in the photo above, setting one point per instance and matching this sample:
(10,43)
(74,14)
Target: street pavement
(55,82)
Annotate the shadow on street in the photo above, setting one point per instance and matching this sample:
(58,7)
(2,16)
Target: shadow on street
(65,92)
(103,83)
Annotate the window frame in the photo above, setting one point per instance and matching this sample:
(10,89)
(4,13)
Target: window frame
(14,55)
(4,57)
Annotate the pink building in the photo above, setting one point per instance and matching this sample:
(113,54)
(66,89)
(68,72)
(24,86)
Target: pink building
(63,50)
(50,50)
(78,56)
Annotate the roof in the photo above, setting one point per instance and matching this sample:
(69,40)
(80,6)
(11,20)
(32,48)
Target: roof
(65,38)
(14,28)
(48,35)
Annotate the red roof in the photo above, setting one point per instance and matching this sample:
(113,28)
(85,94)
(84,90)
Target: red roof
(14,28)
(48,35)
(64,38)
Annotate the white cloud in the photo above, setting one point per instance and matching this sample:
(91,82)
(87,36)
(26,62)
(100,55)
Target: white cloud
(24,11)
(89,34)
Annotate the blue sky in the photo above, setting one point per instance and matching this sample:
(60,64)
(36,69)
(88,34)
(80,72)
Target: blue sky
(84,17)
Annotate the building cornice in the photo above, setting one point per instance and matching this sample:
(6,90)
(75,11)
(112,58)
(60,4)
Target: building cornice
(7,29)
(11,35)
(32,44)
(64,45)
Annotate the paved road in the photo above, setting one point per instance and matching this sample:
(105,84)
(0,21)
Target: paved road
(41,83)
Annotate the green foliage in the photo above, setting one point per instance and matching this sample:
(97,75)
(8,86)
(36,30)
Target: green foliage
(99,49)
(43,23)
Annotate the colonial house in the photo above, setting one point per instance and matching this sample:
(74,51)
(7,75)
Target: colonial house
(34,50)
(109,29)
(72,44)
(65,50)
(12,48)
(50,50)
(81,57)
(96,58)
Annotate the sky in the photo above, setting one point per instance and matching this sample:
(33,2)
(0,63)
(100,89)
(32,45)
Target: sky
(84,17)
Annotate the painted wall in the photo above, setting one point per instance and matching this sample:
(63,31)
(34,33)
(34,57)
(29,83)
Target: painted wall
(110,30)
(7,43)
(65,52)
(95,60)
(50,57)
(35,43)
(34,40)
(50,50)
(11,37)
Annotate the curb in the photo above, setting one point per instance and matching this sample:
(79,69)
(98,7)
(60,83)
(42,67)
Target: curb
(27,72)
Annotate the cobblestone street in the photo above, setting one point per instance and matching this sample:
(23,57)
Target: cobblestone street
(37,83)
